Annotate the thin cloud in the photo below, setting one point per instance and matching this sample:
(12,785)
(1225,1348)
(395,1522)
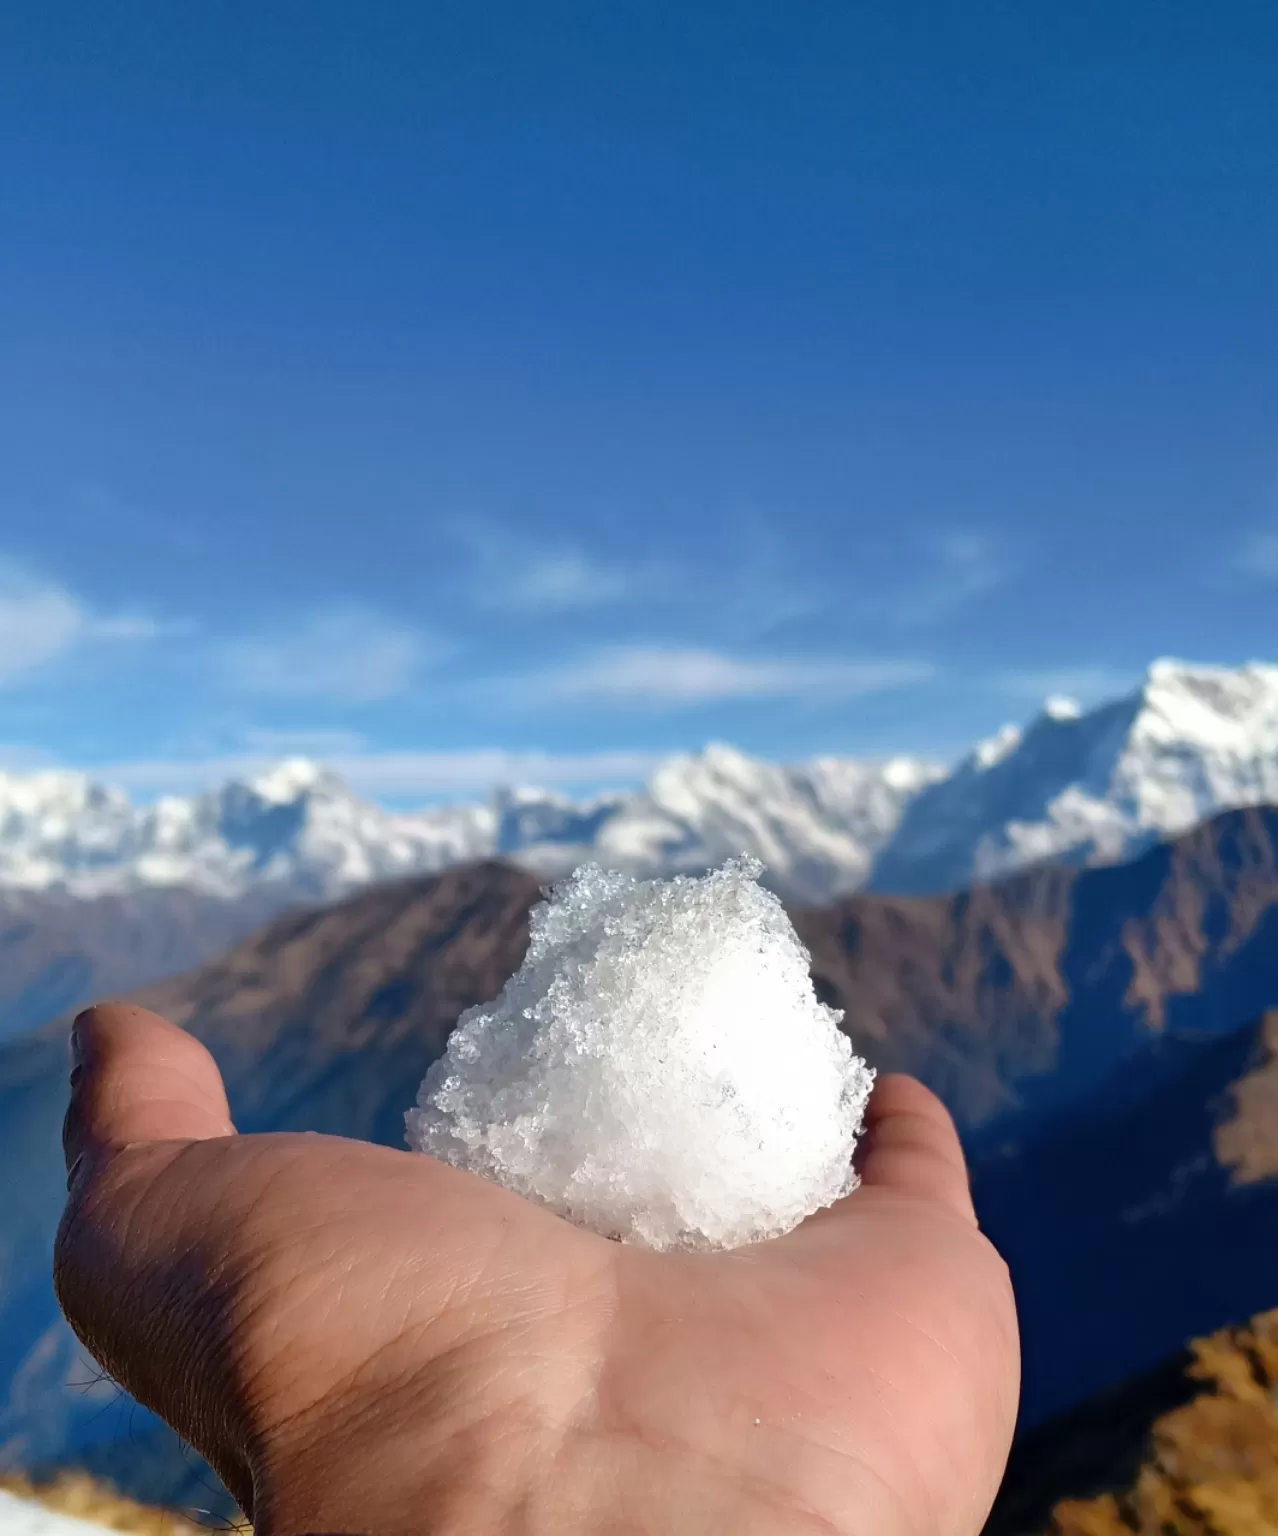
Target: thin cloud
(322,741)
(135,626)
(396,774)
(955,570)
(42,622)
(656,677)
(509,571)
(1087,684)
(24,759)
(1257,556)
(562,582)
(347,655)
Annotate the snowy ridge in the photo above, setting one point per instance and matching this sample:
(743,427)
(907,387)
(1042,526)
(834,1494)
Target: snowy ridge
(1082,786)
(1096,786)
(816,827)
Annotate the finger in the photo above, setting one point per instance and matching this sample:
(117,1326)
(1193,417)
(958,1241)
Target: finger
(135,1077)
(911,1146)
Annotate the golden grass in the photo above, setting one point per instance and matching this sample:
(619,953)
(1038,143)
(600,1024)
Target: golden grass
(77,1494)
(1214,1466)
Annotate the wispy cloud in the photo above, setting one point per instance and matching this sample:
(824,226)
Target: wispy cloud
(396,775)
(1087,684)
(24,759)
(655,677)
(951,572)
(41,621)
(320,742)
(1257,556)
(347,655)
(558,583)
(507,570)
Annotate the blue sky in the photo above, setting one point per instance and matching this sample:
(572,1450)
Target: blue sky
(467,391)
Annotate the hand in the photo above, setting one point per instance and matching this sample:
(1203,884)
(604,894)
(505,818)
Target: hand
(366,1340)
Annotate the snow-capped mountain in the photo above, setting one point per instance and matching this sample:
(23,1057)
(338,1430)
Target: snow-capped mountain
(816,827)
(300,829)
(1087,787)
(296,826)
(1094,787)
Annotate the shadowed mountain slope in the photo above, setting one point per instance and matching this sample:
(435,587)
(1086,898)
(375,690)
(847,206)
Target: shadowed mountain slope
(59,951)
(1023,997)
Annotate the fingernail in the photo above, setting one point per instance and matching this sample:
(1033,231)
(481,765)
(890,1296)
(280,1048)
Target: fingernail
(81,1041)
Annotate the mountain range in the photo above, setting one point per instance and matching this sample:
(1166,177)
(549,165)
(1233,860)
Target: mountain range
(1079,787)
(1095,1031)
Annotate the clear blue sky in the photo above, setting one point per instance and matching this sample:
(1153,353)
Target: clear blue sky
(429,386)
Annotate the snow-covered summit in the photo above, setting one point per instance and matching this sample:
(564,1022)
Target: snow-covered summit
(299,828)
(1095,786)
(1080,785)
(815,826)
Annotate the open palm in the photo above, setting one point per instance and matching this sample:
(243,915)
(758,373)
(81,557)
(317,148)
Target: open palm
(366,1340)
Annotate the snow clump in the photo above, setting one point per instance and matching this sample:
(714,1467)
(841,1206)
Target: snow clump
(659,1069)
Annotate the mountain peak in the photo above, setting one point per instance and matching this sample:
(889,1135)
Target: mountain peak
(1097,785)
(992,751)
(290,779)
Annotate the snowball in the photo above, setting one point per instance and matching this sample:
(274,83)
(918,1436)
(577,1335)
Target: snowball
(659,1069)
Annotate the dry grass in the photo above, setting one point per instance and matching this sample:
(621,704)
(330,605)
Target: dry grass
(1214,1467)
(77,1494)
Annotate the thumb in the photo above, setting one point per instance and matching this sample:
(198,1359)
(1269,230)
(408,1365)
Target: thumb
(912,1148)
(142,1233)
(135,1077)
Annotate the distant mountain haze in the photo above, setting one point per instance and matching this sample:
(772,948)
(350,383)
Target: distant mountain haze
(58,951)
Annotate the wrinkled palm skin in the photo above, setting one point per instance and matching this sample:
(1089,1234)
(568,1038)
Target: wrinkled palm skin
(366,1340)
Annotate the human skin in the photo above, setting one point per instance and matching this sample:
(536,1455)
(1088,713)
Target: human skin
(367,1340)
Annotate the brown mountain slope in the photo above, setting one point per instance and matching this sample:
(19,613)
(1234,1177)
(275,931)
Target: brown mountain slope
(987,994)
(1057,973)
(1247,1141)
(379,979)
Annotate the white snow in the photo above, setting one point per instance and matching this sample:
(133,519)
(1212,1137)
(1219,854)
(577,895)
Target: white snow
(1086,786)
(659,1069)
(817,827)
(1092,787)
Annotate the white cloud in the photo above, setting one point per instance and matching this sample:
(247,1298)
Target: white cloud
(41,621)
(956,570)
(1258,556)
(559,583)
(505,569)
(682,678)
(37,624)
(1087,684)
(347,655)
(321,741)
(395,774)
(134,626)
